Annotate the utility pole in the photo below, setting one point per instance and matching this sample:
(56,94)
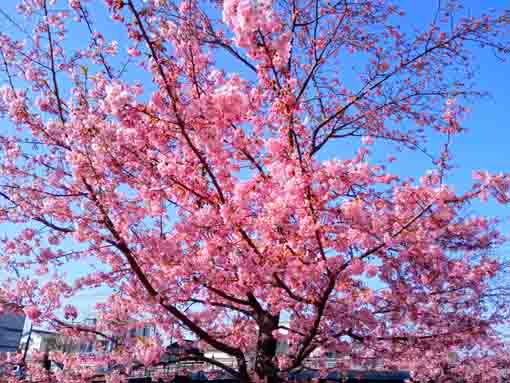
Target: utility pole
(27,344)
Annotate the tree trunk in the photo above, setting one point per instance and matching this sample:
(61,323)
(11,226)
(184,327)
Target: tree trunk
(243,371)
(265,363)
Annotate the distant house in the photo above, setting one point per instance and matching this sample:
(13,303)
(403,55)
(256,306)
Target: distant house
(175,367)
(352,376)
(11,329)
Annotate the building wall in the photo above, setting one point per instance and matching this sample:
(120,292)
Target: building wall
(11,329)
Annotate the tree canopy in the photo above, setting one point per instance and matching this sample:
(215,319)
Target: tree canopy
(189,154)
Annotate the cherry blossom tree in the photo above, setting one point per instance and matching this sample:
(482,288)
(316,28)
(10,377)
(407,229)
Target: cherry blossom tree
(194,166)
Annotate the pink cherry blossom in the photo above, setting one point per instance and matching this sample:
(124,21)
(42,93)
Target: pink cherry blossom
(133,52)
(32,312)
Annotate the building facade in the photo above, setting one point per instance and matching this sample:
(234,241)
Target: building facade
(11,330)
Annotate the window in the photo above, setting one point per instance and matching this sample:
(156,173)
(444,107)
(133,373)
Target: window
(87,347)
(148,330)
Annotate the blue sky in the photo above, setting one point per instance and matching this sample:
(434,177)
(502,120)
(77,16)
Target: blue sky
(484,145)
